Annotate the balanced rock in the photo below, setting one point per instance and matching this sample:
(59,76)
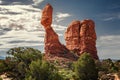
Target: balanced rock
(46,19)
(53,47)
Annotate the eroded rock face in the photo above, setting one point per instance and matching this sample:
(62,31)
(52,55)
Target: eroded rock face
(88,38)
(80,37)
(72,36)
(53,47)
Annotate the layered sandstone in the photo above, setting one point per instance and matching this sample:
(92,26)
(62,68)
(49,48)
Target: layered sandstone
(53,47)
(88,38)
(72,36)
(80,37)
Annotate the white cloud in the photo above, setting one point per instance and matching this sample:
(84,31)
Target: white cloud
(27,17)
(63,15)
(21,38)
(109,16)
(22,29)
(1,2)
(109,46)
(58,27)
(36,2)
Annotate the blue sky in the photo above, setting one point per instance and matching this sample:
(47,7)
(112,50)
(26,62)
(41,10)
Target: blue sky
(105,13)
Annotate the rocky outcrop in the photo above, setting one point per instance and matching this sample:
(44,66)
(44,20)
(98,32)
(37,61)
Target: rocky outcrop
(53,47)
(80,37)
(72,36)
(88,38)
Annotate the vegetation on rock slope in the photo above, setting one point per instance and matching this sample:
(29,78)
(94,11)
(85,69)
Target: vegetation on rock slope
(28,64)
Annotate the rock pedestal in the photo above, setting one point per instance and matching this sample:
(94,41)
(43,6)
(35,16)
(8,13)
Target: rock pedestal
(88,38)
(80,37)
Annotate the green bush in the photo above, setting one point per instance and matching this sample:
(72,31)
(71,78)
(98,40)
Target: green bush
(3,67)
(42,70)
(85,68)
(108,66)
(1,78)
(27,64)
(20,59)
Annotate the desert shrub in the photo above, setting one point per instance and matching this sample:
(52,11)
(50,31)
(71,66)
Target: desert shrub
(1,78)
(67,74)
(117,64)
(27,64)
(85,68)
(42,70)
(108,66)
(19,61)
(3,66)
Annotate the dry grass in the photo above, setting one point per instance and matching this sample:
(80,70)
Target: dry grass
(4,77)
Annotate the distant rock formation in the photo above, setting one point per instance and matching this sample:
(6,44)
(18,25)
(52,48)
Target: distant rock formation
(80,37)
(53,47)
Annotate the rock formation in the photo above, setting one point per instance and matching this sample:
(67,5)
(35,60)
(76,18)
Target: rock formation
(53,47)
(88,38)
(80,37)
(72,36)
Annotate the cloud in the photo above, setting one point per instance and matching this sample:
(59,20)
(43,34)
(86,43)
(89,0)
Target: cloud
(109,16)
(19,38)
(108,46)
(108,19)
(61,16)
(58,27)
(28,19)
(36,2)
(23,29)
(1,2)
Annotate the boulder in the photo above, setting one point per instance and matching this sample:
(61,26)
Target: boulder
(46,19)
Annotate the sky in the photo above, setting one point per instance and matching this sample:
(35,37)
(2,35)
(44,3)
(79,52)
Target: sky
(20,23)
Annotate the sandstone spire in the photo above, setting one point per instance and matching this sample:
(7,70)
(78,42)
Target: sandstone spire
(53,47)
